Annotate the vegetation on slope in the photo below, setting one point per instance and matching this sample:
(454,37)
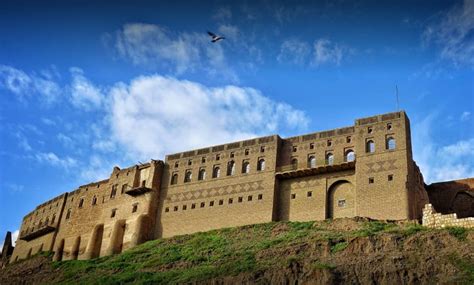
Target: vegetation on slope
(274,252)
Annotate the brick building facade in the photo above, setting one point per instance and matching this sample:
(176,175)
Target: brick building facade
(363,170)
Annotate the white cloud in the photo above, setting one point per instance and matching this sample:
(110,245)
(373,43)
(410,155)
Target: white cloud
(96,169)
(441,162)
(157,115)
(154,45)
(48,122)
(52,159)
(294,51)
(24,85)
(326,52)
(222,14)
(465,116)
(65,140)
(453,33)
(84,94)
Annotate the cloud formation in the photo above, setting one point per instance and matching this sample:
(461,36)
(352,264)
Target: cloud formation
(155,115)
(441,162)
(154,45)
(453,33)
(52,159)
(326,51)
(84,94)
(294,51)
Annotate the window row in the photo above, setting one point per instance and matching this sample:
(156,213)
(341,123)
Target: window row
(212,203)
(47,222)
(389,178)
(349,156)
(113,213)
(309,194)
(328,143)
(390,144)
(218,157)
(216,171)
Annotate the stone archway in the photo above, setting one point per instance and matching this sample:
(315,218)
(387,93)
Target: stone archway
(95,242)
(58,255)
(75,248)
(340,200)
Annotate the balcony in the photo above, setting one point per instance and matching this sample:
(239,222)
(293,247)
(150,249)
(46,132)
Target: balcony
(41,231)
(291,171)
(136,191)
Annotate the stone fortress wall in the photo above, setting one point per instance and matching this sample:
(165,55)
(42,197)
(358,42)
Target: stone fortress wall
(362,170)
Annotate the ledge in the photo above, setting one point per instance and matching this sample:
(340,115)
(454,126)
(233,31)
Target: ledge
(316,170)
(138,191)
(37,233)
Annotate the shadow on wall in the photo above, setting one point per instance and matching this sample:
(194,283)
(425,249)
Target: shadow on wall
(455,196)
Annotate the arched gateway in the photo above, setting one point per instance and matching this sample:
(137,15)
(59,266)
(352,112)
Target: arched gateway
(340,200)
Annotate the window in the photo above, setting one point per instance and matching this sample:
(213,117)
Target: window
(188,176)
(230,168)
(202,174)
(262,149)
(309,194)
(174,179)
(134,208)
(295,149)
(371,180)
(293,196)
(369,130)
(53,219)
(389,126)
(329,143)
(81,202)
(341,203)
(221,202)
(231,200)
(249,198)
(113,192)
(350,155)
(211,203)
(176,164)
(370,146)
(185,207)
(348,139)
(247,152)
(94,200)
(240,199)
(203,159)
(312,161)
(203,204)
(311,146)
(218,156)
(260,197)
(294,163)
(232,155)
(167,209)
(390,177)
(245,167)
(391,143)
(329,158)
(190,162)
(143,183)
(193,206)
(175,208)
(261,164)
(114,211)
(124,187)
(68,214)
(216,172)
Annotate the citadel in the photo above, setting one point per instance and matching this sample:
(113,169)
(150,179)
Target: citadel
(362,170)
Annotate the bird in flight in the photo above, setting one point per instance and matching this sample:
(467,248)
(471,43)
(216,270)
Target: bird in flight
(215,37)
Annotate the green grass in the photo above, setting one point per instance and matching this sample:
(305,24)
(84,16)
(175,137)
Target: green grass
(458,232)
(226,252)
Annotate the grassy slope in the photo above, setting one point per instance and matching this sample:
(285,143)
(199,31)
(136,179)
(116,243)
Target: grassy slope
(228,252)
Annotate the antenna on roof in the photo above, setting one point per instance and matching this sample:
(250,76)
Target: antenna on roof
(398,104)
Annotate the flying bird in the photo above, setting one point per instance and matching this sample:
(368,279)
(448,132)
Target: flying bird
(215,37)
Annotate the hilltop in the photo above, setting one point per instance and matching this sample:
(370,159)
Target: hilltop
(354,251)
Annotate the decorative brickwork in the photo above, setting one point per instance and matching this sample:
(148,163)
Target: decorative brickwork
(361,170)
(435,220)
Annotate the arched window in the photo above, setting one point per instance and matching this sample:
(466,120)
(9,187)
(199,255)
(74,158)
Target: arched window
(187,176)
(261,164)
(94,200)
(81,202)
(245,167)
(391,144)
(349,156)
(294,163)
(174,179)
(68,215)
(311,162)
(329,159)
(216,172)
(370,146)
(53,219)
(230,168)
(113,192)
(202,174)
(46,222)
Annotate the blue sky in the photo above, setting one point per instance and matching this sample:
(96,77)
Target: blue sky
(87,85)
